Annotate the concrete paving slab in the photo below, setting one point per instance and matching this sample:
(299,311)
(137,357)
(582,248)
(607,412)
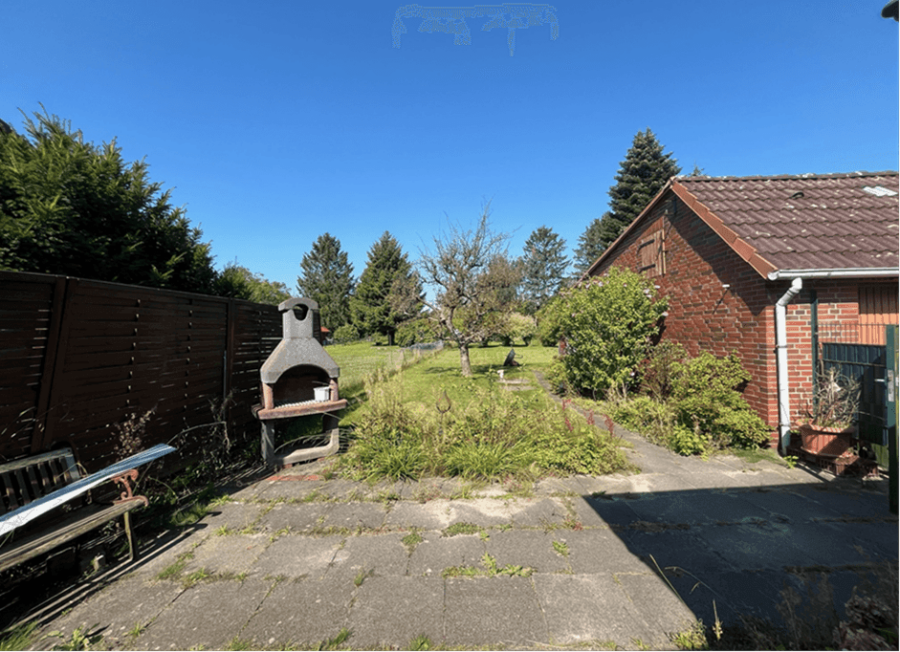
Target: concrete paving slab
(437,552)
(529,548)
(378,555)
(878,539)
(583,609)
(607,510)
(117,610)
(483,512)
(433,515)
(233,516)
(852,504)
(352,516)
(209,615)
(661,608)
(755,545)
(231,554)
(493,611)
(600,551)
(299,613)
(537,512)
(388,612)
(159,553)
(288,517)
(297,556)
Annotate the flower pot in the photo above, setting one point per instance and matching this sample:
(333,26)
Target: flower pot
(822,440)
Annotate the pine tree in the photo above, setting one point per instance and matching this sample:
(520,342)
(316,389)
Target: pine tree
(387,273)
(589,246)
(328,280)
(643,173)
(543,268)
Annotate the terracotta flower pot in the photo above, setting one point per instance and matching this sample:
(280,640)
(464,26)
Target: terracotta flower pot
(823,440)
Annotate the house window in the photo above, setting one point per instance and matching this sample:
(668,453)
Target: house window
(877,309)
(652,253)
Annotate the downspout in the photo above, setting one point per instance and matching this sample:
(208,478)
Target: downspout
(784,401)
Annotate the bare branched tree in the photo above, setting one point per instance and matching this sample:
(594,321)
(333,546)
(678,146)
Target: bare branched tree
(473,280)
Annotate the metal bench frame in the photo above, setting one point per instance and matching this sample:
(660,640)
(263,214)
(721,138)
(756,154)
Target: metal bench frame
(34,486)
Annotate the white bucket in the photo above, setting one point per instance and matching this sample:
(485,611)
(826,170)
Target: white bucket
(322,393)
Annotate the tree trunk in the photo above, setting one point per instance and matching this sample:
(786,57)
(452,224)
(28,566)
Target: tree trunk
(464,363)
(390,335)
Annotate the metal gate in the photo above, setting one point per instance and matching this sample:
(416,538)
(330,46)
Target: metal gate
(864,363)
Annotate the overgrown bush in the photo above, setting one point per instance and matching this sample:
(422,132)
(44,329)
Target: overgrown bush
(607,324)
(415,331)
(658,370)
(345,334)
(707,400)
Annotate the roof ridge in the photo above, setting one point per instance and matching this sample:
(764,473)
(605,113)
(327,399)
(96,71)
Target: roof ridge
(793,177)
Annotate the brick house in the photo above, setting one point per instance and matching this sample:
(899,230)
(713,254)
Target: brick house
(727,251)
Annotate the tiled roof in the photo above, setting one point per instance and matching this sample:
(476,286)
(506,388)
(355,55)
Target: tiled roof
(834,221)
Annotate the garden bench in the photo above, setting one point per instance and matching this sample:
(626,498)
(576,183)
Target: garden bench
(34,486)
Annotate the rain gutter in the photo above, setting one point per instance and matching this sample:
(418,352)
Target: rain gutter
(784,400)
(847,272)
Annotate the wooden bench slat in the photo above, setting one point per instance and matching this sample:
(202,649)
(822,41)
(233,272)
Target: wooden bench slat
(9,502)
(74,526)
(61,453)
(23,497)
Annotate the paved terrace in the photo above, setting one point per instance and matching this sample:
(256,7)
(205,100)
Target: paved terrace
(291,559)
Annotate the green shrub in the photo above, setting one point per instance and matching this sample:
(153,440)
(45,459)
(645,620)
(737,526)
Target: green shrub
(706,397)
(607,324)
(658,370)
(415,331)
(346,333)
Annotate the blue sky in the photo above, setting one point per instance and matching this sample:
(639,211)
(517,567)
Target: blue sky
(274,122)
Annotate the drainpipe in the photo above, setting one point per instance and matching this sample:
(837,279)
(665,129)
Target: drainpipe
(784,401)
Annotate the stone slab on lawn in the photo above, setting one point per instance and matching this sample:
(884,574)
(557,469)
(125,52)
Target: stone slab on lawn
(299,613)
(117,609)
(528,548)
(297,556)
(230,554)
(493,611)
(437,552)
(209,615)
(591,609)
(378,555)
(388,612)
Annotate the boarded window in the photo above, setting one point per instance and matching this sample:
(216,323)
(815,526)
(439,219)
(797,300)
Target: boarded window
(877,309)
(652,253)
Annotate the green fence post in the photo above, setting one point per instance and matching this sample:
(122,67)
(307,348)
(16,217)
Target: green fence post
(892,389)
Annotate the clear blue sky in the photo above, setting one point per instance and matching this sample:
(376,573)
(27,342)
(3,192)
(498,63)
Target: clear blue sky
(274,122)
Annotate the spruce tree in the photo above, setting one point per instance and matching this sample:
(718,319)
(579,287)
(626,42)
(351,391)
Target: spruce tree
(589,246)
(328,280)
(543,268)
(642,174)
(387,272)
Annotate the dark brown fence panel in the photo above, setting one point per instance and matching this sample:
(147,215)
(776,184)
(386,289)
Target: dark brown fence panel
(81,359)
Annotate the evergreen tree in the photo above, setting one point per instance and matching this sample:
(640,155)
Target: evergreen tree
(543,268)
(328,280)
(70,207)
(589,246)
(388,272)
(642,174)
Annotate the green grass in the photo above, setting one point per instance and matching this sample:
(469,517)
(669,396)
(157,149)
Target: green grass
(19,637)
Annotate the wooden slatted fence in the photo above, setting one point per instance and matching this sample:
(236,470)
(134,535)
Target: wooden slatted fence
(78,358)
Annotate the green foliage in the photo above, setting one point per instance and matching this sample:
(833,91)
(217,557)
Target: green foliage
(657,371)
(495,434)
(590,246)
(345,334)
(20,637)
(643,173)
(71,207)
(240,283)
(328,280)
(380,301)
(517,327)
(543,268)
(607,324)
(415,331)
(706,399)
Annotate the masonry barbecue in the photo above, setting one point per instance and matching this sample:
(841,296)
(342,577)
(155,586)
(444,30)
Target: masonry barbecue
(299,379)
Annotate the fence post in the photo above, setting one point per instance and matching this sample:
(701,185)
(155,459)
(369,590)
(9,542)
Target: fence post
(892,407)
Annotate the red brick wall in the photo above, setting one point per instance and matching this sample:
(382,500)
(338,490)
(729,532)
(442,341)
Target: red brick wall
(706,316)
